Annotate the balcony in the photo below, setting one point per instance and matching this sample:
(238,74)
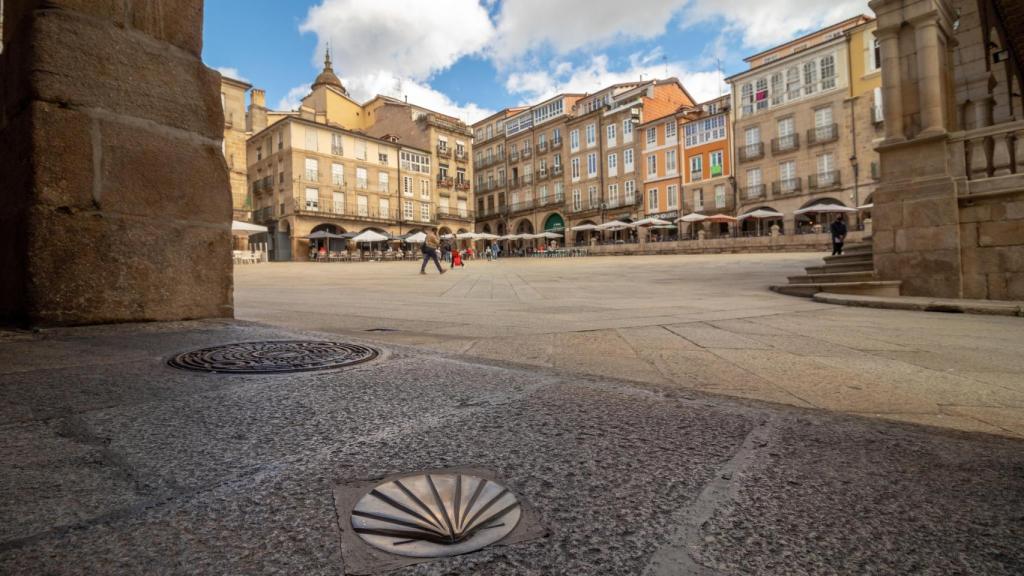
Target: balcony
(456,214)
(522,206)
(556,170)
(461,185)
(263,215)
(526,179)
(337,151)
(444,152)
(556,143)
(460,155)
(513,156)
(751,152)
(823,134)
(444,181)
(526,153)
(784,144)
(542,174)
(755,191)
(696,175)
(824,181)
(787,187)
(312,175)
(326,207)
(542,146)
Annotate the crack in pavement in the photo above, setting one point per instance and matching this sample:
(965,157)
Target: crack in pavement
(676,558)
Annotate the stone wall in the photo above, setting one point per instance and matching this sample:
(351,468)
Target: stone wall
(757,244)
(117,201)
(992,233)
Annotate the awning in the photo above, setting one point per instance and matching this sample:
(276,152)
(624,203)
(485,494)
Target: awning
(247,227)
(824,209)
(554,222)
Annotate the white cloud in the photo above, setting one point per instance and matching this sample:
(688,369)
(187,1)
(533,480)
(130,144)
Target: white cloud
(567,25)
(595,74)
(231,73)
(293,99)
(765,23)
(420,93)
(412,38)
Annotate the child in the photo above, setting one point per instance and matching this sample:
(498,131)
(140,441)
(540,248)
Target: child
(457,259)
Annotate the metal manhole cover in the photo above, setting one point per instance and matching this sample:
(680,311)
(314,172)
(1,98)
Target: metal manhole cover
(433,515)
(274,356)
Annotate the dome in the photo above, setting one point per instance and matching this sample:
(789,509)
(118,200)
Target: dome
(327,77)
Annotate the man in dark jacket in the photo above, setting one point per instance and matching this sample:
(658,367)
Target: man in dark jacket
(838,230)
(430,245)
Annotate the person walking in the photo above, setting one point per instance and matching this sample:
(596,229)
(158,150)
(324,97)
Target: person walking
(838,230)
(446,250)
(430,245)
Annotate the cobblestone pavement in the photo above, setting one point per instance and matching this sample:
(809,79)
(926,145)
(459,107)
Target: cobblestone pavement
(704,323)
(112,462)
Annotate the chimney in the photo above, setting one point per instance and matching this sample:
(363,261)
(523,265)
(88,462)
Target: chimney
(258,97)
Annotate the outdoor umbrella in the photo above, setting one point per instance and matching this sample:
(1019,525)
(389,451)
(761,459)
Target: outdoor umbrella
(652,222)
(721,218)
(693,217)
(550,235)
(370,236)
(760,214)
(487,236)
(614,225)
(246,227)
(824,209)
(583,228)
(417,238)
(866,206)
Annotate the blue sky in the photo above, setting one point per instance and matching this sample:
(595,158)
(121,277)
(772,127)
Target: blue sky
(472,57)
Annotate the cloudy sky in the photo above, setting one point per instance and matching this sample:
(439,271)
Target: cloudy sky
(469,58)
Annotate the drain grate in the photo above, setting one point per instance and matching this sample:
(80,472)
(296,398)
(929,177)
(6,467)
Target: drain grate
(274,356)
(434,515)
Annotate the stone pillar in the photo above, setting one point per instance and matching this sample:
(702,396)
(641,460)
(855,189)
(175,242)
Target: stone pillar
(117,197)
(892,84)
(931,88)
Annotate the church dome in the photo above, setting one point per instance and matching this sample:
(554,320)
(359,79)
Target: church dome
(328,77)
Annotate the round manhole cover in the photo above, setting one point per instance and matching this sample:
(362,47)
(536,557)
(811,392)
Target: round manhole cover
(276,356)
(431,515)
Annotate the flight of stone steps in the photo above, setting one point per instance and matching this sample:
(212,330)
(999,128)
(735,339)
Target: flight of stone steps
(852,272)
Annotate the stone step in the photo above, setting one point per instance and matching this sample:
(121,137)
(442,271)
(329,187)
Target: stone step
(866,266)
(849,258)
(865,276)
(872,288)
(864,248)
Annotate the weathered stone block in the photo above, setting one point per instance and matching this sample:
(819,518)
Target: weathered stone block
(887,215)
(929,211)
(1006,233)
(130,272)
(997,287)
(1014,210)
(979,213)
(63,162)
(146,171)
(927,239)
(1010,258)
(91,63)
(883,241)
(975,286)
(1015,287)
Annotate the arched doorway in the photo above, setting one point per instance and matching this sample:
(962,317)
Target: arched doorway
(486,229)
(554,223)
(815,222)
(583,236)
(761,226)
(332,244)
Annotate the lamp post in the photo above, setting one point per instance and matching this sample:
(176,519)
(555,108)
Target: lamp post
(735,202)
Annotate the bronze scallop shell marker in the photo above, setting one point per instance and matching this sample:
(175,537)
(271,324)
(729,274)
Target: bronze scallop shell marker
(432,515)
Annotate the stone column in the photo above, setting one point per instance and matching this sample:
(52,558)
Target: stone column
(892,80)
(931,91)
(119,203)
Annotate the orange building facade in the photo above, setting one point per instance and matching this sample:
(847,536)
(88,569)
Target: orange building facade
(706,142)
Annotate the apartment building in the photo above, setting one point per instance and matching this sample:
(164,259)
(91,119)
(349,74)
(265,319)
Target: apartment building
(232,99)
(491,170)
(661,170)
(805,116)
(341,166)
(705,137)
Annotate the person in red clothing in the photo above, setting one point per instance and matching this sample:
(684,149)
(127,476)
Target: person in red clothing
(457,258)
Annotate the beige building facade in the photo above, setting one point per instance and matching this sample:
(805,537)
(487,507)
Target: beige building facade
(707,163)
(805,123)
(232,98)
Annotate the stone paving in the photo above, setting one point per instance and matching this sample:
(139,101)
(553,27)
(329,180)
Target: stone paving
(704,323)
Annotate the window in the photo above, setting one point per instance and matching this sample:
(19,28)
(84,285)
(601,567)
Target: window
(823,117)
(761,94)
(382,158)
(652,136)
(612,135)
(826,166)
(384,208)
(828,72)
(556,135)
(792,83)
(259,152)
(382,181)
(591,165)
(670,162)
(575,169)
(361,149)
(810,76)
(577,200)
(698,200)
(556,160)
(542,194)
(696,168)
(336,145)
(361,182)
(442,205)
(652,199)
(311,139)
(785,127)
(339,202)
(717,159)
(629,188)
(778,92)
(548,111)
(574,140)
(425,189)
(362,205)
(460,175)
(652,165)
(406,209)
(720,196)
(875,55)
(592,197)
(627,130)
(280,140)
(312,170)
(672,192)
(407,186)
(414,162)
(442,143)
(754,188)
(461,206)
(670,132)
(747,98)
(627,160)
(787,176)
(312,199)
(591,135)
(613,164)
(337,175)
(703,131)
(425,212)
(752,135)
(613,195)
